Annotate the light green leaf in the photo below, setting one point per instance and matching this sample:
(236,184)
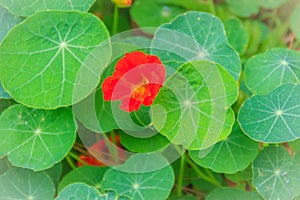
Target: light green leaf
(295,145)
(80,191)
(7,21)
(272,4)
(28,7)
(229,156)
(232,194)
(142,12)
(237,35)
(24,184)
(193,107)
(195,36)
(273,117)
(276,174)
(142,177)
(89,175)
(60,58)
(244,8)
(36,139)
(264,72)
(295,18)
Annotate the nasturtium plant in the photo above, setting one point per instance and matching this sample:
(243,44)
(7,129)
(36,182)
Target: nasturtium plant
(149,99)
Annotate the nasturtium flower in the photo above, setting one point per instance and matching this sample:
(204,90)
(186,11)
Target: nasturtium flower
(122,3)
(136,80)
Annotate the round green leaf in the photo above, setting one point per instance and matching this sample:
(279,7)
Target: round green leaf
(195,36)
(295,18)
(144,183)
(244,8)
(18,183)
(264,72)
(230,155)
(273,117)
(237,35)
(60,58)
(193,107)
(276,174)
(80,191)
(7,21)
(27,7)
(89,175)
(142,12)
(36,139)
(232,193)
(272,4)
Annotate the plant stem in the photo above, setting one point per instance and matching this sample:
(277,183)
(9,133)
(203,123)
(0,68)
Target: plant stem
(209,179)
(70,162)
(73,155)
(212,7)
(180,177)
(115,20)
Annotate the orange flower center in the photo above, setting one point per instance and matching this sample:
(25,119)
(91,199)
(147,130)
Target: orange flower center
(141,93)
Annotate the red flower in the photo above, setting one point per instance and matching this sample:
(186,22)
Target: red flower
(122,3)
(135,81)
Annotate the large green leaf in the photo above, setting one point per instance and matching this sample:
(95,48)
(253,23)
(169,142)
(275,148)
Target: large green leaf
(193,107)
(276,174)
(60,58)
(230,155)
(28,7)
(195,36)
(295,21)
(273,117)
(24,184)
(7,21)
(89,175)
(264,72)
(244,8)
(232,194)
(142,12)
(36,139)
(142,177)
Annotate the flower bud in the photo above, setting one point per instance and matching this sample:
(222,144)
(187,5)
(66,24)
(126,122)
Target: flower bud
(122,3)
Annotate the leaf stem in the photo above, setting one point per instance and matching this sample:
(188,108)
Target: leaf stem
(212,7)
(180,177)
(209,178)
(70,162)
(74,156)
(115,20)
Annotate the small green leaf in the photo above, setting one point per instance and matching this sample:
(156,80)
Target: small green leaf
(273,117)
(232,193)
(237,35)
(244,8)
(142,177)
(60,58)
(142,12)
(264,72)
(195,36)
(272,4)
(18,183)
(238,150)
(36,139)
(295,18)
(26,8)
(276,174)
(89,175)
(193,107)
(7,21)
(80,191)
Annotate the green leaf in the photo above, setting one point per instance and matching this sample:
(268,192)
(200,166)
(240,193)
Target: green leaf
(3,93)
(80,191)
(36,139)
(60,58)
(18,183)
(264,72)
(232,193)
(295,18)
(244,8)
(276,174)
(27,7)
(272,4)
(7,21)
(195,36)
(295,145)
(142,12)
(273,117)
(193,107)
(142,177)
(55,172)
(5,103)
(238,150)
(4,165)
(89,175)
(237,35)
